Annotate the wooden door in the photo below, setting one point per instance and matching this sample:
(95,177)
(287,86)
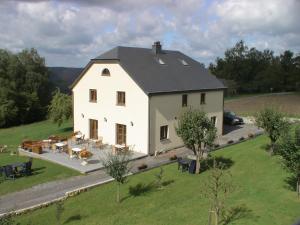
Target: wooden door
(120,134)
(93,129)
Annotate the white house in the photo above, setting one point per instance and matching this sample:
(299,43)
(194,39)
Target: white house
(134,96)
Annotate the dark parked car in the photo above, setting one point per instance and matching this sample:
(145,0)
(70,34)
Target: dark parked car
(232,119)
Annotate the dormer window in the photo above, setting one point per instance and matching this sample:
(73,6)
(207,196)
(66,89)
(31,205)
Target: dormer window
(105,72)
(160,61)
(183,62)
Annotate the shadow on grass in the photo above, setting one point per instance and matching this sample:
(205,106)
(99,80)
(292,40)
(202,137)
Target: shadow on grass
(66,129)
(142,189)
(291,183)
(37,171)
(208,163)
(167,182)
(73,218)
(237,213)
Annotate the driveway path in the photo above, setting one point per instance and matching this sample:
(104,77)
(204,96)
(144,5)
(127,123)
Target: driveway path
(52,191)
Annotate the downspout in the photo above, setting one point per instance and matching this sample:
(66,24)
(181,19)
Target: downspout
(223,115)
(149,98)
(73,110)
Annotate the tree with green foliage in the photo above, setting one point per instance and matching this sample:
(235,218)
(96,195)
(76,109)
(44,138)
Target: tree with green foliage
(289,150)
(25,89)
(60,108)
(197,132)
(274,124)
(116,165)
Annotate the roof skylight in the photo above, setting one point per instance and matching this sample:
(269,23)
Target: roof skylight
(160,61)
(183,62)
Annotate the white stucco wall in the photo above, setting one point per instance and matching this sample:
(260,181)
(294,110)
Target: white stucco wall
(164,109)
(136,109)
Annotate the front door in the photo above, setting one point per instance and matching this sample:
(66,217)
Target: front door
(121,134)
(93,129)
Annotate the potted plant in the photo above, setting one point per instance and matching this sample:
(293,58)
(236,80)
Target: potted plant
(84,155)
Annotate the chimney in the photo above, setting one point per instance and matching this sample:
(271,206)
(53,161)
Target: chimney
(156,47)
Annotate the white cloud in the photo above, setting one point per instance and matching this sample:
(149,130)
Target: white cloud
(70,32)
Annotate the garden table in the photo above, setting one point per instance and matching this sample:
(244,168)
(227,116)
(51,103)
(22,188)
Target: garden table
(184,163)
(60,146)
(76,150)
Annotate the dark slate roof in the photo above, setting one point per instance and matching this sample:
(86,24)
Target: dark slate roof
(143,66)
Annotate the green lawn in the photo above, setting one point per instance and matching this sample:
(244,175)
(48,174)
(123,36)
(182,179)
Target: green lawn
(43,171)
(260,188)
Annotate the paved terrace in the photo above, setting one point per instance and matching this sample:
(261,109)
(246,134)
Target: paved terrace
(62,158)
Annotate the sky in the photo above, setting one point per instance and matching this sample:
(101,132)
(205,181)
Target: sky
(71,32)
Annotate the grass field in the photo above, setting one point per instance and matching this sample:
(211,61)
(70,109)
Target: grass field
(249,105)
(43,171)
(261,191)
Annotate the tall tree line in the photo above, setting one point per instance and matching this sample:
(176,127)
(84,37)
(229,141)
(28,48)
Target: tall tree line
(258,71)
(25,90)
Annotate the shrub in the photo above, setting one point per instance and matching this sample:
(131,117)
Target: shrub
(216,145)
(173,157)
(142,166)
(250,135)
(242,138)
(230,142)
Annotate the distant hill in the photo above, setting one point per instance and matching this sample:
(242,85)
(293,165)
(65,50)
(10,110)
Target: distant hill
(63,77)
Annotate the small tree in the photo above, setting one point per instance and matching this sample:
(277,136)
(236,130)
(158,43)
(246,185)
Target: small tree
(197,132)
(159,178)
(116,166)
(273,123)
(216,189)
(60,108)
(290,153)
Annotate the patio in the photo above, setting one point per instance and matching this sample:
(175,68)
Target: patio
(62,158)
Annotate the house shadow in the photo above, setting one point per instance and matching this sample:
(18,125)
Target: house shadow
(237,213)
(229,128)
(226,163)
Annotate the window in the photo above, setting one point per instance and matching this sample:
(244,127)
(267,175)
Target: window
(120,98)
(213,119)
(105,72)
(202,101)
(93,95)
(164,132)
(184,100)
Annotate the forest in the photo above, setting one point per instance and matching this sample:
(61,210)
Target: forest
(249,70)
